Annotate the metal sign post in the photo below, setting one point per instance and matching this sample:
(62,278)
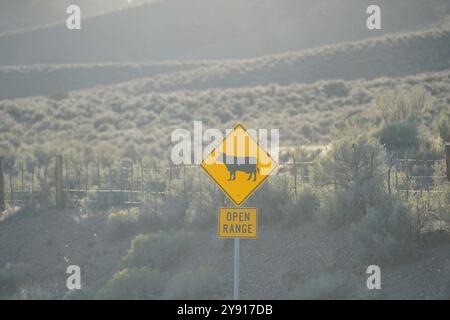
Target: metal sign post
(238,165)
(237,244)
(237,223)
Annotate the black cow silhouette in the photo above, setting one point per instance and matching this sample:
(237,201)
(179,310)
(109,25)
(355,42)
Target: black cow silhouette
(244,164)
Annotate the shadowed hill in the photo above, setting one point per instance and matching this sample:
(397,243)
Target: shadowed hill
(393,55)
(23,81)
(212,29)
(389,56)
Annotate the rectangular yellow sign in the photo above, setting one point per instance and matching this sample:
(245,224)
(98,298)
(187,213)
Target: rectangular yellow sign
(238,223)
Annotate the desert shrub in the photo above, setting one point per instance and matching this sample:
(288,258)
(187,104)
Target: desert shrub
(202,212)
(107,119)
(224,115)
(353,174)
(271,200)
(401,105)
(336,89)
(303,208)
(160,250)
(384,234)
(398,135)
(197,284)
(444,127)
(428,144)
(352,160)
(134,283)
(122,223)
(430,213)
(174,210)
(349,205)
(323,287)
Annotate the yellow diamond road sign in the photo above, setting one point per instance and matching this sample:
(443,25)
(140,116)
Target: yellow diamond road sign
(239,165)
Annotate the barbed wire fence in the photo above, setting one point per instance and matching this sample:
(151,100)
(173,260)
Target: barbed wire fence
(63,182)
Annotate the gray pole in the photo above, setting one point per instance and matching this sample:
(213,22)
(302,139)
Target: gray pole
(236,268)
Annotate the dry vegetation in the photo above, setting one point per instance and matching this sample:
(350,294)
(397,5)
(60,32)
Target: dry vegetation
(113,122)
(346,211)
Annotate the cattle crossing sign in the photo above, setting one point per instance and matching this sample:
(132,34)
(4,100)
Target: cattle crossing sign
(239,165)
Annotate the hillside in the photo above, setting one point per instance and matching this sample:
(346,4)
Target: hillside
(57,80)
(143,122)
(212,29)
(394,55)
(43,12)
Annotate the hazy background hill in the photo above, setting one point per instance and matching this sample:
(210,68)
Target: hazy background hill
(387,56)
(57,80)
(212,29)
(23,14)
(391,55)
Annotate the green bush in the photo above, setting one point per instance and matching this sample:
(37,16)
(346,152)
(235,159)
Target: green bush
(197,284)
(352,175)
(202,212)
(352,160)
(444,127)
(323,287)
(399,135)
(134,283)
(402,105)
(160,250)
(384,234)
(122,223)
(174,211)
(271,200)
(349,205)
(336,89)
(303,208)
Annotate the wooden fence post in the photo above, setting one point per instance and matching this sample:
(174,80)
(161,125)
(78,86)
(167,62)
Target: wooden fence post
(170,177)
(426,173)
(131,173)
(2,188)
(389,181)
(295,175)
(32,185)
(22,182)
(447,157)
(11,185)
(99,179)
(142,177)
(407,175)
(86,182)
(59,182)
(110,187)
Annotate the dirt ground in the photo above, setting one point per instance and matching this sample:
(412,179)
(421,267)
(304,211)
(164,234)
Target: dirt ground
(271,266)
